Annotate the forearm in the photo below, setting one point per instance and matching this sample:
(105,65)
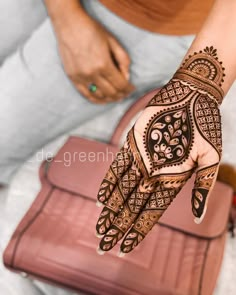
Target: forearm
(61,12)
(219,31)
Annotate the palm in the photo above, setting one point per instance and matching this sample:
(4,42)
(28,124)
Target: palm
(177,133)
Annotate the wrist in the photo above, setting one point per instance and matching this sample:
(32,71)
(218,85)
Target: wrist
(63,13)
(203,71)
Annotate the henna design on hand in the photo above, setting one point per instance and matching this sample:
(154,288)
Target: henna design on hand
(204,182)
(204,72)
(116,170)
(173,92)
(178,133)
(169,137)
(207,117)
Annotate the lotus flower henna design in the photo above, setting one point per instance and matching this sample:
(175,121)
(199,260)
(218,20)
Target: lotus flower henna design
(177,134)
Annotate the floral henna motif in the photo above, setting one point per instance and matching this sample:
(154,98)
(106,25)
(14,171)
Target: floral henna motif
(111,238)
(160,200)
(169,137)
(105,220)
(132,239)
(203,72)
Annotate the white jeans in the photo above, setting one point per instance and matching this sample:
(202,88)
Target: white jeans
(38,101)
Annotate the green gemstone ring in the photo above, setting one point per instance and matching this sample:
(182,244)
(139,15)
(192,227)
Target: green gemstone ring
(92,87)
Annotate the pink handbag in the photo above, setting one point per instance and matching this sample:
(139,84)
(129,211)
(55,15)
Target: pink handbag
(55,241)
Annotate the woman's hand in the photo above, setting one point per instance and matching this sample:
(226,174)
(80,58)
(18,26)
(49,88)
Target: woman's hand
(90,54)
(178,133)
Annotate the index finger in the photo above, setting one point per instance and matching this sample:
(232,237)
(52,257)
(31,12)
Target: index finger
(118,167)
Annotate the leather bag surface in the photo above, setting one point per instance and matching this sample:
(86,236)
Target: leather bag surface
(55,241)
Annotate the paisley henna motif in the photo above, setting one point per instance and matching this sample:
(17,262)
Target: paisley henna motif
(169,137)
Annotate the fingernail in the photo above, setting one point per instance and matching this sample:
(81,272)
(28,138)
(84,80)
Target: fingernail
(98,235)
(100,252)
(125,71)
(121,254)
(99,204)
(197,220)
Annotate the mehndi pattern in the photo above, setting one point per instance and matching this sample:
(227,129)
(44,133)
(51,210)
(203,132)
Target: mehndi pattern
(169,136)
(179,133)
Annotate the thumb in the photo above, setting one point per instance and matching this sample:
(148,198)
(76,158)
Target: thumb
(203,185)
(120,56)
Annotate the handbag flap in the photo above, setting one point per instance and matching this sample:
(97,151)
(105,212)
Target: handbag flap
(80,165)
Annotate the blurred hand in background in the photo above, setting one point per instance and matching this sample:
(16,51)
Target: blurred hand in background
(90,54)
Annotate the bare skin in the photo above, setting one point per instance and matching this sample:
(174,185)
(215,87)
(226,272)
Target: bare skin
(89,53)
